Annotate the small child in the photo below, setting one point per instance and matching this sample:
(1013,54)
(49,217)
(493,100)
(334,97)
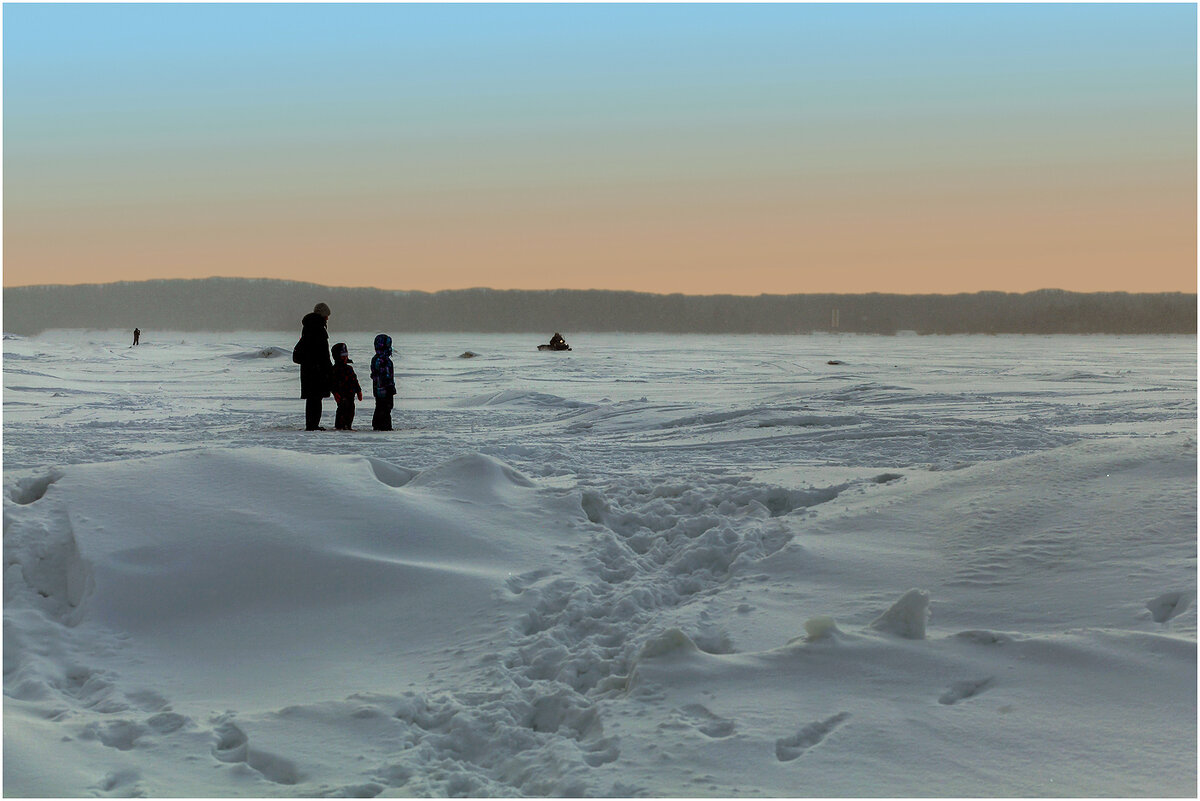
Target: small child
(345,387)
(383,383)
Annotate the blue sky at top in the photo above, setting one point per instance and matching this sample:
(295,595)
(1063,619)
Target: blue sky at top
(148,105)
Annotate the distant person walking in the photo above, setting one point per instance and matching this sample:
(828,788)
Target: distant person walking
(316,370)
(383,383)
(137,334)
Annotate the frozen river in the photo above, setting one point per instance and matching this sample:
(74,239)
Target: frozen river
(652,565)
(615,402)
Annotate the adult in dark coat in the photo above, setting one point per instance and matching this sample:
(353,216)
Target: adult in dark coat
(316,369)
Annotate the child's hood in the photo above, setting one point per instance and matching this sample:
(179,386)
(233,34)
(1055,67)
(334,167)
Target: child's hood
(383,345)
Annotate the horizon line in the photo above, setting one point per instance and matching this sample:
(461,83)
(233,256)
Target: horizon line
(597,289)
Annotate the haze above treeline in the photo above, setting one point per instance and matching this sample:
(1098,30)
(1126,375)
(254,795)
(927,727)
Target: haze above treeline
(239,304)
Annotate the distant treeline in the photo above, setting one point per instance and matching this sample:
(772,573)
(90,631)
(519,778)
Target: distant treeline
(230,304)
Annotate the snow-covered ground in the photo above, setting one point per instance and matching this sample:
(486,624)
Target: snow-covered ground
(654,565)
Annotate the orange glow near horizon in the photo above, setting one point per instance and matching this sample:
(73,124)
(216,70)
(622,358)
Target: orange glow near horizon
(1002,235)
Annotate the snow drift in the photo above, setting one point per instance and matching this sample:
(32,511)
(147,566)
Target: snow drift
(955,568)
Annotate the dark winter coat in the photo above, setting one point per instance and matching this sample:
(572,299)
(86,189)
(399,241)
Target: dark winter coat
(316,368)
(383,380)
(345,382)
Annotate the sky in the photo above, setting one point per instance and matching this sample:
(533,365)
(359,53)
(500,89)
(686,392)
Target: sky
(697,148)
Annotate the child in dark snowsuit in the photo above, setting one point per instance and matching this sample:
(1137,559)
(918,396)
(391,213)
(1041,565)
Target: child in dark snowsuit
(345,387)
(383,383)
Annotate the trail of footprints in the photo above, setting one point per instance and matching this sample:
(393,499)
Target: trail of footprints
(232,745)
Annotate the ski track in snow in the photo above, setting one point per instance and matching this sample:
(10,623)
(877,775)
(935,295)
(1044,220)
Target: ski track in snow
(671,515)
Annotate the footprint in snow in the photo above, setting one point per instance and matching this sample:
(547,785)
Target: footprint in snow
(119,734)
(232,743)
(789,748)
(983,637)
(962,690)
(601,751)
(367,790)
(147,700)
(167,722)
(707,723)
(234,746)
(120,784)
(519,583)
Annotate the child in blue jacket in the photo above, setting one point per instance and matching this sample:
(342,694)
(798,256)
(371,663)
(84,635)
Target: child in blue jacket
(383,383)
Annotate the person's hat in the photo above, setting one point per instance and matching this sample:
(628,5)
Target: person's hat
(322,309)
(339,349)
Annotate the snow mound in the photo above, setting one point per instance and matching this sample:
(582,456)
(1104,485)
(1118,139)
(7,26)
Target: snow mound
(764,417)
(178,549)
(1082,375)
(907,617)
(474,477)
(670,642)
(822,627)
(519,398)
(272,352)
(1168,605)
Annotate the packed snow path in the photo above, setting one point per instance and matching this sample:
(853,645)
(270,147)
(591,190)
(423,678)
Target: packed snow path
(650,566)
